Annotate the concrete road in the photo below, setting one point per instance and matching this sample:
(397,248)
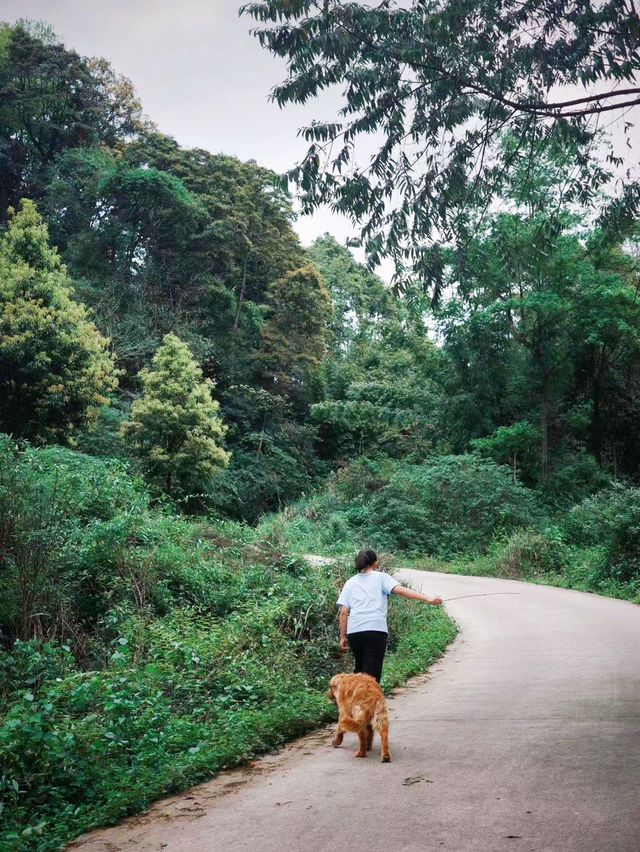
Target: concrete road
(524,737)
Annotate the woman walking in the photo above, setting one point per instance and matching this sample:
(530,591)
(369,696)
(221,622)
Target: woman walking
(363,612)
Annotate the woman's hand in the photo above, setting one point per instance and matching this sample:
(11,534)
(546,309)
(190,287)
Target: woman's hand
(412,595)
(344,643)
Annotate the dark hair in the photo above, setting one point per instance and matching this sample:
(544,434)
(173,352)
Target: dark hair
(365,559)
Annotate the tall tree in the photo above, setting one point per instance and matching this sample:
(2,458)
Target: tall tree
(175,428)
(359,297)
(251,239)
(436,84)
(54,364)
(296,333)
(52,99)
(543,328)
(169,239)
(606,341)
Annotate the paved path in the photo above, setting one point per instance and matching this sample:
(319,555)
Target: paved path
(524,737)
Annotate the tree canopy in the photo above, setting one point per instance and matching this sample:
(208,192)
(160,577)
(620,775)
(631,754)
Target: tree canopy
(55,366)
(52,99)
(175,426)
(531,357)
(435,86)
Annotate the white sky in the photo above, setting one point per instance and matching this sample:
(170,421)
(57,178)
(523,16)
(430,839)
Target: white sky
(205,80)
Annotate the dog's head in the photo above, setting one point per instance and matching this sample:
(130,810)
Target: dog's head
(334,687)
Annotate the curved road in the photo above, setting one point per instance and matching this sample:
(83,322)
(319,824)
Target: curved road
(524,737)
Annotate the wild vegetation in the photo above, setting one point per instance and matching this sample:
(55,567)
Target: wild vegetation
(191,402)
(155,650)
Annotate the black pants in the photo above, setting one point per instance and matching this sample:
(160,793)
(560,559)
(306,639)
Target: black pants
(368,648)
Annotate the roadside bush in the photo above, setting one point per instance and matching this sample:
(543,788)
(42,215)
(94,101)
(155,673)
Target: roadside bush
(30,664)
(452,505)
(574,477)
(46,498)
(180,698)
(595,519)
(527,554)
(318,524)
(78,538)
(610,520)
(624,551)
(594,548)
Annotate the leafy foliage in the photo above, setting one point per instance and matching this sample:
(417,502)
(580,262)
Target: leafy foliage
(175,427)
(53,100)
(515,445)
(435,86)
(610,519)
(453,505)
(543,329)
(54,364)
(296,333)
(183,647)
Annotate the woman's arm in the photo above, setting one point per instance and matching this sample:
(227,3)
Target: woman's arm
(415,596)
(344,615)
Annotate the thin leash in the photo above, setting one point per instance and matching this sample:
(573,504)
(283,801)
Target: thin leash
(482,595)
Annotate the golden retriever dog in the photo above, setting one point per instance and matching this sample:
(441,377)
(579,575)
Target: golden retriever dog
(363,710)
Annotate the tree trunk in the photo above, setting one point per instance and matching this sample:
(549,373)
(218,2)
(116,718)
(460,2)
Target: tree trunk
(544,444)
(242,291)
(596,420)
(261,441)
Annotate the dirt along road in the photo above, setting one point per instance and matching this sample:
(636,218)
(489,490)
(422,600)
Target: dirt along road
(524,737)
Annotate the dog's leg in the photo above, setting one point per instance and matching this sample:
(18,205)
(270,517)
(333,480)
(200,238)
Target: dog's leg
(369,736)
(362,735)
(336,742)
(384,737)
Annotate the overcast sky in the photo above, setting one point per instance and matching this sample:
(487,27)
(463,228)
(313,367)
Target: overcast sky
(204,79)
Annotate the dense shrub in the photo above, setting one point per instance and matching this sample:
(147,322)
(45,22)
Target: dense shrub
(178,699)
(80,538)
(527,554)
(610,520)
(574,477)
(452,505)
(594,547)
(364,477)
(516,446)
(260,482)
(49,500)
(594,519)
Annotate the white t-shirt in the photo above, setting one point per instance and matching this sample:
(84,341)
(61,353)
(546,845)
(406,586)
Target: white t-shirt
(366,597)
